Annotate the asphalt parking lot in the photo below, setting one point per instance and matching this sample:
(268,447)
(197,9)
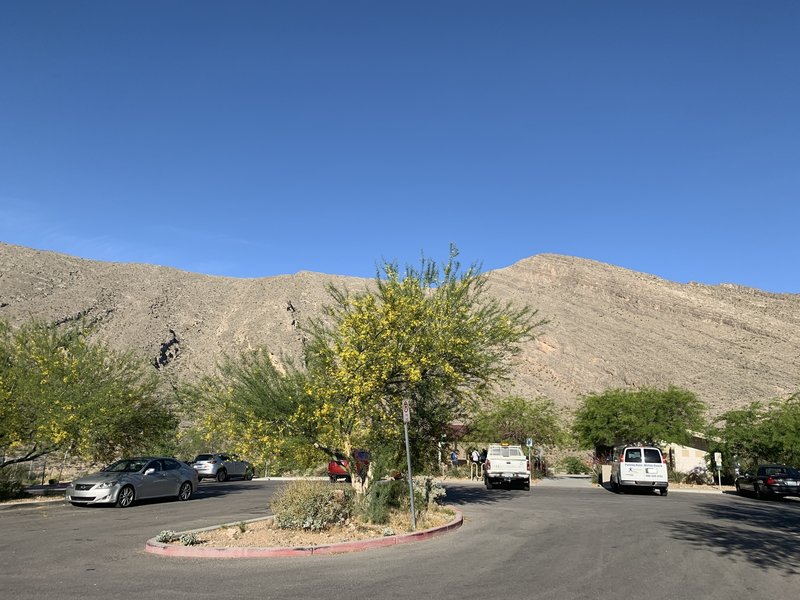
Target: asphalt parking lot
(563,539)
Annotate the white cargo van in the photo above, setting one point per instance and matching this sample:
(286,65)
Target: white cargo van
(639,467)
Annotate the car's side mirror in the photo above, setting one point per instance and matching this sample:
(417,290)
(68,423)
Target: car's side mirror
(149,471)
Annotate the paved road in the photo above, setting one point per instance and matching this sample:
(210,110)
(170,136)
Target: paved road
(562,540)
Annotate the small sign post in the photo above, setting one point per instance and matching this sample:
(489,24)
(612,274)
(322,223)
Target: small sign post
(718,462)
(406,421)
(529,444)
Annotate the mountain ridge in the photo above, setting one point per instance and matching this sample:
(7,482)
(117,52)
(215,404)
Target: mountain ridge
(607,326)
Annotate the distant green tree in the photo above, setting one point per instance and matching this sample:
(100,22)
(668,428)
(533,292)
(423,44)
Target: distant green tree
(648,414)
(249,406)
(759,433)
(58,392)
(514,419)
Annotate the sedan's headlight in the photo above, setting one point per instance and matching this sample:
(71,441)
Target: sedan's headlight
(105,485)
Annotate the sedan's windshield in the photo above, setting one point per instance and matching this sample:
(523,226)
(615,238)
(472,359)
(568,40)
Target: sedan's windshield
(126,466)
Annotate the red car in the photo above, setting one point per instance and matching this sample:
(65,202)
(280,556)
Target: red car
(337,466)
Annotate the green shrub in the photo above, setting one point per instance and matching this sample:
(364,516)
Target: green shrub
(381,498)
(11,484)
(675,476)
(312,505)
(575,466)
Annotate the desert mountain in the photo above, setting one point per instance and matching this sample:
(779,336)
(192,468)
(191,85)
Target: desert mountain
(608,326)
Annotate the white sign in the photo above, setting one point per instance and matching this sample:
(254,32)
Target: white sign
(718,459)
(529,442)
(406,412)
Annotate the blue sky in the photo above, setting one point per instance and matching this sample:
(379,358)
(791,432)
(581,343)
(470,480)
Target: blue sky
(252,139)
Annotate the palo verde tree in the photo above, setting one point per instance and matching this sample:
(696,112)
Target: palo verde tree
(58,392)
(430,335)
(759,433)
(514,419)
(648,415)
(251,406)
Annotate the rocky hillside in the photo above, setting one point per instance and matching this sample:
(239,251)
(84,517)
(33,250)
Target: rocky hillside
(608,327)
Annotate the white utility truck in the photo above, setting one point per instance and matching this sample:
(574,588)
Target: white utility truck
(506,464)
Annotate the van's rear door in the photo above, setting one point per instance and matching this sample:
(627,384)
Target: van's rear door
(632,468)
(655,469)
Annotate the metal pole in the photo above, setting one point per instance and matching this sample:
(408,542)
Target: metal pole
(410,480)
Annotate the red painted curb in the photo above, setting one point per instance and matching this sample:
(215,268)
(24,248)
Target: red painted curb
(162,549)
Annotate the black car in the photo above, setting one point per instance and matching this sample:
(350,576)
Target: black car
(770,481)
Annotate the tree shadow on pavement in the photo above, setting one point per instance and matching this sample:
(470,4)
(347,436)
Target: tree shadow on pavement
(766,535)
(213,490)
(463,494)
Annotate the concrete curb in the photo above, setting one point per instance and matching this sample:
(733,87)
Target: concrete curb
(162,549)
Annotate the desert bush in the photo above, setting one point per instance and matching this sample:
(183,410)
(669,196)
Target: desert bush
(166,536)
(699,475)
(381,498)
(312,505)
(675,476)
(427,492)
(12,485)
(459,472)
(574,466)
(190,539)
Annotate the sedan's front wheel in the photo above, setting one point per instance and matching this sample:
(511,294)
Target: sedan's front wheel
(125,497)
(186,491)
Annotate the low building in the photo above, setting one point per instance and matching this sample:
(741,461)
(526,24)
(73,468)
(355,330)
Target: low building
(692,455)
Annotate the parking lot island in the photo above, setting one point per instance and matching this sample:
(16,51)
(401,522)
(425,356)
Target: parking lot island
(199,551)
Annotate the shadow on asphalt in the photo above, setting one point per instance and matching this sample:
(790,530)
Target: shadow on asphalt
(767,534)
(462,494)
(791,501)
(631,491)
(215,489)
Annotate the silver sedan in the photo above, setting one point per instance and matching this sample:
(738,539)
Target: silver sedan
(130,479)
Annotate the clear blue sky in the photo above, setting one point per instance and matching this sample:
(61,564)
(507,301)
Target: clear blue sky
(253,139)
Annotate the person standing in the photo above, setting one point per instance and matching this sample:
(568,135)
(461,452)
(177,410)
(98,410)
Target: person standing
(475,467)
(454,457)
